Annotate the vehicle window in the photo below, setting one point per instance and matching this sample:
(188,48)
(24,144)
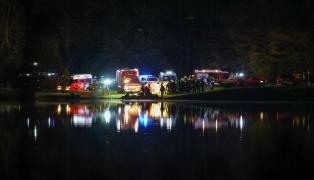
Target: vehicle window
(143,79)
(212,74)
(152,79)
(134,80)
(88,80)
(129,73)
(74,81)
(225,75)
(81,80)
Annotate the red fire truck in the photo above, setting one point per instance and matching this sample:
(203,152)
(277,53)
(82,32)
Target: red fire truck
(221,78)
(127,81)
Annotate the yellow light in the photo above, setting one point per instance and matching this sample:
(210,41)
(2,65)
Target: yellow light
(59,109)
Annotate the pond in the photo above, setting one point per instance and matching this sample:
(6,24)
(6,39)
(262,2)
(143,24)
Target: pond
(156,140)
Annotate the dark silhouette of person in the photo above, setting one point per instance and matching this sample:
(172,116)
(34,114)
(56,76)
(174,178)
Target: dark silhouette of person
(162,89)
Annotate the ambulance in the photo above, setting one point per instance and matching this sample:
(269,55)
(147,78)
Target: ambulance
(80,82)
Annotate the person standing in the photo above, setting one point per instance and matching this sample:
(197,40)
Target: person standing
(162,90)
(202,85)
(212,82)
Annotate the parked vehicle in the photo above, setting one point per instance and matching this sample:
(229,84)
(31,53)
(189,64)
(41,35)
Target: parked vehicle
(221,78)
(132,86)
(127,81)
(80,82)
(147,78)
(167,76)
(289,79)
(243,80)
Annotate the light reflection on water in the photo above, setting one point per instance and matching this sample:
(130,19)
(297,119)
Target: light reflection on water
(141,140)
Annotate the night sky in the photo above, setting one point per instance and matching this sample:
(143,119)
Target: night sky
(100,36)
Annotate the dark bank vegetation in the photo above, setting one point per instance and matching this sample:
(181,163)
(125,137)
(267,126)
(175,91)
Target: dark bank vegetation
(99,37)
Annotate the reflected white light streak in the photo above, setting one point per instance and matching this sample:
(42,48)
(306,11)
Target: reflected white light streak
(169,124)
(261,115)
(107,116)
(216,124)
(136,125)
(35,133)
(161,122)
(49,122)
(241,126)
(126,114)
(28,122)
(118,125)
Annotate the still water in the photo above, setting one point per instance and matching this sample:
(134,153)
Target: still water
(156,140)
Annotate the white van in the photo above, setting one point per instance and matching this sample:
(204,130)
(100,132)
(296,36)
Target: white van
(147,78)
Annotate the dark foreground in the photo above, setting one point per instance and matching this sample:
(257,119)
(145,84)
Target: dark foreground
(103,139)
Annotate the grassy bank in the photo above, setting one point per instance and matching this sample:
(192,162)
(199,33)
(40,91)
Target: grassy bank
(267,93)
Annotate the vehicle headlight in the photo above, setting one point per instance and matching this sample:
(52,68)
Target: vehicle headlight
(107,81)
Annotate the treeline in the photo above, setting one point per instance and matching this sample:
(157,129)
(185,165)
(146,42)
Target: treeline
(99,36)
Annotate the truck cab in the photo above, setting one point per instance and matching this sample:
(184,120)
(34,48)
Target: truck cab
(127,81)
(132,86)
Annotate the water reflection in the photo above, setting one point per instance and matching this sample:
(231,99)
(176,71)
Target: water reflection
(111,135)
(133,116)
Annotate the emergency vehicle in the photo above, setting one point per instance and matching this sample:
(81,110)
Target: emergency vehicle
(127,81)
(80,82)
(221,78)
(167,76)
(148,78)
(289,79)
(249,80)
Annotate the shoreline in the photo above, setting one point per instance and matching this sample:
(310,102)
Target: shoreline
(239,94)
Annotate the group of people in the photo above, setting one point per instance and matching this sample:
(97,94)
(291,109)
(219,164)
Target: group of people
(97,85)
(184,85)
